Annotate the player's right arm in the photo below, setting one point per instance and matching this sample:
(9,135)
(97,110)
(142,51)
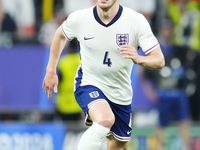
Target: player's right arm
(51,79)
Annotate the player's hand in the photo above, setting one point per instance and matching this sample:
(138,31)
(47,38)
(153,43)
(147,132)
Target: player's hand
(129,52)
(50,82)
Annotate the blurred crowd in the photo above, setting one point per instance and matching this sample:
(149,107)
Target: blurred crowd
(176,24)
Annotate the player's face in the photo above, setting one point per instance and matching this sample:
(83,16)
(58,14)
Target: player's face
(106,4)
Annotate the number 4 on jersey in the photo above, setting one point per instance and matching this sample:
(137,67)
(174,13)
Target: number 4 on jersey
(106,60)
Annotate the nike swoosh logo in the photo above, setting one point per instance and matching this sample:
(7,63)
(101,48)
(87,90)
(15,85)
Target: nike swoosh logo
(128,132)
(85,38)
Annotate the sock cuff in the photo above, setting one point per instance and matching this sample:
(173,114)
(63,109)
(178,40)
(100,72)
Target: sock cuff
(99,128)
(93,137)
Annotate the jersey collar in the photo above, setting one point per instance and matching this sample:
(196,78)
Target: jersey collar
(114,19)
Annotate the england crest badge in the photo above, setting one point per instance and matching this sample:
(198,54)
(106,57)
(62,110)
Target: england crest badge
(122,39)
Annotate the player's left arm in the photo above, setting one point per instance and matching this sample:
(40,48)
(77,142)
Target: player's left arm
(153,60)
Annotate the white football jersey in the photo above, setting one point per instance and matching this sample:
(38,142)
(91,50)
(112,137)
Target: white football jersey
(102,65)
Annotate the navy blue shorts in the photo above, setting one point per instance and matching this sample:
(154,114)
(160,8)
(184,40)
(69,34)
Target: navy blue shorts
(88,95)
(173,105)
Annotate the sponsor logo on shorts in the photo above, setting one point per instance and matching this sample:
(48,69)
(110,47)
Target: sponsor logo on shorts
(94,94)
(128,132)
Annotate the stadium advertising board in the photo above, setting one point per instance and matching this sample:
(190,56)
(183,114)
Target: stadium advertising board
(41,136)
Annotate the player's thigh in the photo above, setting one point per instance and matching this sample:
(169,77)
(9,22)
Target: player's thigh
(101,113)
(114,144)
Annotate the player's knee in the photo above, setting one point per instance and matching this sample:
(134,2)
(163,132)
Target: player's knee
(107,120)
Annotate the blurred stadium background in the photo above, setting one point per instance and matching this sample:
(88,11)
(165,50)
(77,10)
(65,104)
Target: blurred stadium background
(27,118)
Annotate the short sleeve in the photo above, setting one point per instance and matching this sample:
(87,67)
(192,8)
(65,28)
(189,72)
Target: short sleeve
(146,39)
(68,28)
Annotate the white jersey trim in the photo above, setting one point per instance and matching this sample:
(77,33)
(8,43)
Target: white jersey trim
(152,48)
